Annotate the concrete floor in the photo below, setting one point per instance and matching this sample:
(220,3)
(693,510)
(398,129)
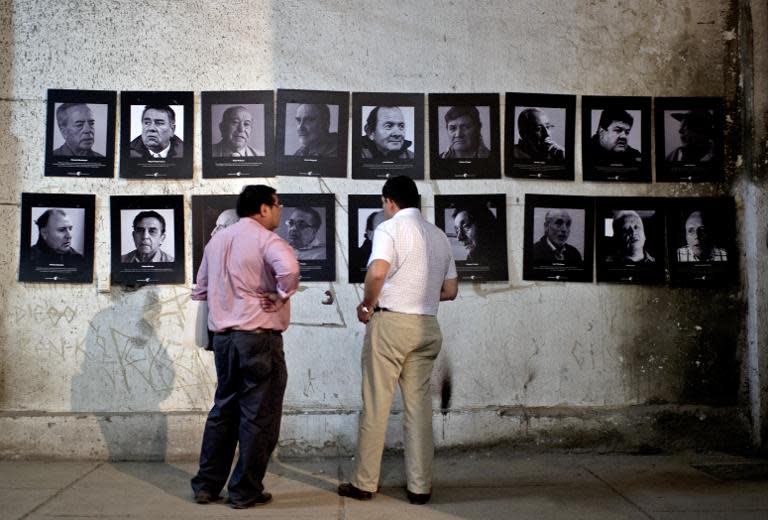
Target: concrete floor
(478,485)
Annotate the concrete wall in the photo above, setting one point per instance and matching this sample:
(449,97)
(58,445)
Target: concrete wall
(99,371)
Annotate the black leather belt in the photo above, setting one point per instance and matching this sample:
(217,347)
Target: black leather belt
(270,332)
(380,309)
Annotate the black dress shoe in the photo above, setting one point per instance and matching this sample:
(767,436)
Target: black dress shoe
(418,498)
(263,499)
(203,497)
(348,490)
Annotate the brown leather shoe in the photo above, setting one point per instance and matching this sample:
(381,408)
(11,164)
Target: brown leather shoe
(348,490)
(418,498)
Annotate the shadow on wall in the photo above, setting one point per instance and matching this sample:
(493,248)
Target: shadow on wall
(10,182)
(125,375)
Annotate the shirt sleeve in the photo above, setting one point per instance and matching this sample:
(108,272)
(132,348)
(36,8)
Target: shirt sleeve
(451,273)
(282,258)
(383,247)
(200,292)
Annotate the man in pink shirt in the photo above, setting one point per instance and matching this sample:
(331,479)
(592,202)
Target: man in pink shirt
(247,275)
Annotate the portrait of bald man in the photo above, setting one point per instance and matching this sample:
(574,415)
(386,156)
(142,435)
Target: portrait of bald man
(236,127)
(77,125)
(553,247)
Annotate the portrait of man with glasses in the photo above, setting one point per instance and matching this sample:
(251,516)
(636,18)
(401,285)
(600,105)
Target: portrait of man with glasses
(302,231)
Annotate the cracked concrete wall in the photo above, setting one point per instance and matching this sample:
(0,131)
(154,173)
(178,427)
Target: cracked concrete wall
(529,362)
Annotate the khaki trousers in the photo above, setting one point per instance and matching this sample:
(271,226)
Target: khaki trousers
(398,349)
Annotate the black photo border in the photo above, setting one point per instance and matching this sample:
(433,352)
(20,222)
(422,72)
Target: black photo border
(722,223)
(152,272)
(594,172)
(312,166)
(29,273)
(477,272)
(625,272)
(529,169)
(669,171)
(315,270)
(236,167)
(205,211)
(553,271)
(379,168)
(486,168)
(80,166)
(168,168)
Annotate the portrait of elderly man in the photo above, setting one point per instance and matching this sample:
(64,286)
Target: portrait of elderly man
(158,135)
(553,246)
(54,241)
(385,135)
(478,230)
(699,246)
(610,143)
(300,230)
(148,237)
(313,128)
(77,126)
(225,219)
(535,142)
(696,131)
(629,239)
(465,139)
(373,220)
(235,127)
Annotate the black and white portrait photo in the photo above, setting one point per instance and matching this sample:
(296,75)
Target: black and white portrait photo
(388,135)
(701,245)
(237,134)
(689,139)
(210,214)
(464,136)
(157,135)
(311,133)
(147,239)
(80,133)
(57,236)
(616,138)
(539,136)
(307,224)
(476,227)
(630,240)
(558,238)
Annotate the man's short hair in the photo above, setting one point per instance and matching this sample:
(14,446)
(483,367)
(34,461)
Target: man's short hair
(526,121)
(62,114)
(610,115)
(161,108)
(314,216)
(463,110)
(402,191)
(252,197)
(43,219)
(373,118)
(621,216)
(149,214)
(227,115)
(325,113)
(478,214)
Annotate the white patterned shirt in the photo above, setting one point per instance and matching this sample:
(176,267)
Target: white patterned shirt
(420,260)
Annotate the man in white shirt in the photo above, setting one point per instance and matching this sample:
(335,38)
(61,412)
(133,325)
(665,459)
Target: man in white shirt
(411,269)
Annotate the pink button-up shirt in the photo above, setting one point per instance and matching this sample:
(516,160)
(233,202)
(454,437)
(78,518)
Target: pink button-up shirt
(239,262)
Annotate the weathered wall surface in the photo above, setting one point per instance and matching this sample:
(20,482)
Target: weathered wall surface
(99,371)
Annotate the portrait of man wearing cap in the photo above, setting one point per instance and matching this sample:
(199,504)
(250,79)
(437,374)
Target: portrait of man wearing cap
(696,130)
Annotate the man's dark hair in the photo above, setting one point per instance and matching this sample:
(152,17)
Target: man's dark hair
(325,113)
(315,219)
(481,216)
(62,116)
(465,110)
(161,108)
(43,219)
(252,197)
(373,118)
(402,191)
(610,115)
(149,214)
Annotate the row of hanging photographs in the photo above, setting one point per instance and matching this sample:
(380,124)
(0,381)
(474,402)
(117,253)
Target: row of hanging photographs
(686,241)
(309,135)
